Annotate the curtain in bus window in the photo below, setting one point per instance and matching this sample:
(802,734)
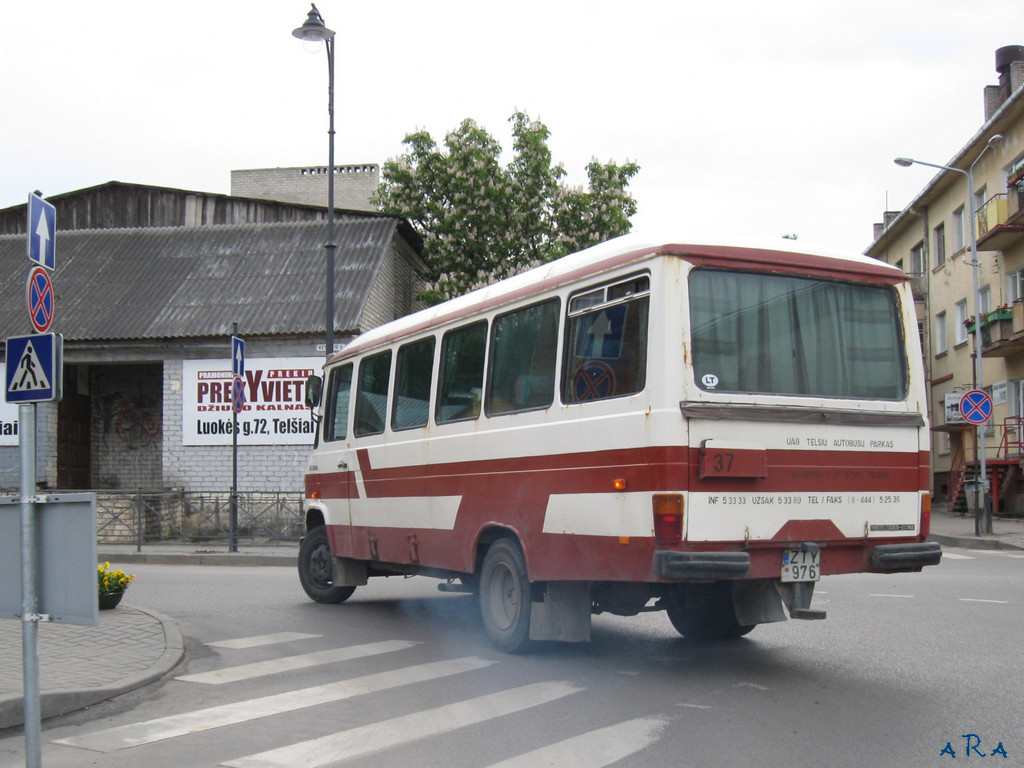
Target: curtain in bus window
(372,394)
(414,369)
(522,372)
(789,335)
(462,373)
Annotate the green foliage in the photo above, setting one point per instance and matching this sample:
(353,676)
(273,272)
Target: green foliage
(482,222)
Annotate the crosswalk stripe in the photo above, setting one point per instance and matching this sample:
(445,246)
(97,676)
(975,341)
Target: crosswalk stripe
(161,728)
(946,555)
(595,749)
(377,737)
(289,663)
(256,641)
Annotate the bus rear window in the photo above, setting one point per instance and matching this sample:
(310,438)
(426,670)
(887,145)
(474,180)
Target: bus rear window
(785,335)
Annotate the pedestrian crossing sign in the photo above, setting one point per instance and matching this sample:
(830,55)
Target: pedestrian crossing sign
(33,369)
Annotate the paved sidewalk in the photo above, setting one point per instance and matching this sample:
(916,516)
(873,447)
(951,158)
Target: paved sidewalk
(132,646)
(80,665)
(952,530)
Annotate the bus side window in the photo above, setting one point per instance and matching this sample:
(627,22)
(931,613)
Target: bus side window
(462,373)
(523,348)
(414,368)
(372,394)
(606,341)
(339,387)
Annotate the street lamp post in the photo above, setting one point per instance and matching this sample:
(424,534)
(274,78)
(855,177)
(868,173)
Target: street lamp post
(983,511)
(314,30)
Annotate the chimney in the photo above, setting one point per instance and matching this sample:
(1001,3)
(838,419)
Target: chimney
(1010,66)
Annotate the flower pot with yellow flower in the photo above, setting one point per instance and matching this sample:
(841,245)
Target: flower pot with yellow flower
(112,585)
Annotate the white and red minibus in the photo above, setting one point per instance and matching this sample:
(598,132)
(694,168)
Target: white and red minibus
(701,429)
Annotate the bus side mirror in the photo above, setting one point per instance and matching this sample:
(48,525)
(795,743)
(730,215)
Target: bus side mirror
(314,389)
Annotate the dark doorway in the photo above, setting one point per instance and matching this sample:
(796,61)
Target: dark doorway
(74,441)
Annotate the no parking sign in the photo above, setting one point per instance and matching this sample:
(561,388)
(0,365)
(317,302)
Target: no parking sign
(976,406)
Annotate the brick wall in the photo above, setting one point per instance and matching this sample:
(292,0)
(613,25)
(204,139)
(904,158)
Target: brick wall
(353,185)
(395,290)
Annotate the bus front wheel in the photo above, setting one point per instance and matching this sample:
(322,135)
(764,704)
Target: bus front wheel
(316,569)
(505,596)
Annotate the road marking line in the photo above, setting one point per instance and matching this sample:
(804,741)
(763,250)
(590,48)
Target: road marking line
(980,600)
(595,749)
(873,594)
(376,737)
(289,663)
(162,728)
(947,555)
(259,640)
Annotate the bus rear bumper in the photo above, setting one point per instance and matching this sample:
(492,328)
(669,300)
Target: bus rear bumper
(905,557)
(702,566)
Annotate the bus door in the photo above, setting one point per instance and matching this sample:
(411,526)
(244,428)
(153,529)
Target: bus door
(332,478)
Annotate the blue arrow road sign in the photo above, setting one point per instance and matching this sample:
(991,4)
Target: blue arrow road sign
(34,368)
(237,356)
(976,406)
(42,231)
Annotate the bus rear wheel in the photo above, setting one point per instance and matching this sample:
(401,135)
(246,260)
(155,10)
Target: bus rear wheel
(505,596)
(706,612)
(316,569)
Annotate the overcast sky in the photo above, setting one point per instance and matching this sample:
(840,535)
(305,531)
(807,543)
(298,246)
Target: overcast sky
(749,119)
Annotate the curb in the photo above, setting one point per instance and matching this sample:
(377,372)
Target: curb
(972,542)
(200,558)
(60,702)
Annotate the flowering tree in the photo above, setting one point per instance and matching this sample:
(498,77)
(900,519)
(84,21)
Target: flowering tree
(482,222)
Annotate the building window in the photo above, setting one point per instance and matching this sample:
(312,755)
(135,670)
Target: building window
(960,318)
(958,229)
(940,245)
(984,301)
(918,260)
(1015,286)
(940,342)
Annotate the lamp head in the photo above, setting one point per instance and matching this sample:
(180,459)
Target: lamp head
(904,162)
(314,29)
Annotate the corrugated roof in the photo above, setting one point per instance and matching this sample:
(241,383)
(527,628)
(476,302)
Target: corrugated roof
(188,282)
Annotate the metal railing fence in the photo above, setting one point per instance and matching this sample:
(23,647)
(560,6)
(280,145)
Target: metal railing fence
(141,516)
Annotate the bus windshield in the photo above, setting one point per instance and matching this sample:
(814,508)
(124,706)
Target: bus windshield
(786,335)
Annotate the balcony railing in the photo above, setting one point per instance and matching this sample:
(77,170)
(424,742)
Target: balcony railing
(1000,222)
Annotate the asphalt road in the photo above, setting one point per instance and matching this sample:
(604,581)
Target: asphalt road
(403,675)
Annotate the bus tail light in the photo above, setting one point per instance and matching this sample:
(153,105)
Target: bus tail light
(668,518)
(926,515)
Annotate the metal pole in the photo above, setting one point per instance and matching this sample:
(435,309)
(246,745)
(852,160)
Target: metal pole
(29,586)
(983,511)
(980,510)
(233,539)
(330,245)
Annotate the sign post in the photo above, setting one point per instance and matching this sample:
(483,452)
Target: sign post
(976,408)
(237,403)
(33,376)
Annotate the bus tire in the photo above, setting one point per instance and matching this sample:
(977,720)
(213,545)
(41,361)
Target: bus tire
(706,612)
(316,569)
(505,596)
